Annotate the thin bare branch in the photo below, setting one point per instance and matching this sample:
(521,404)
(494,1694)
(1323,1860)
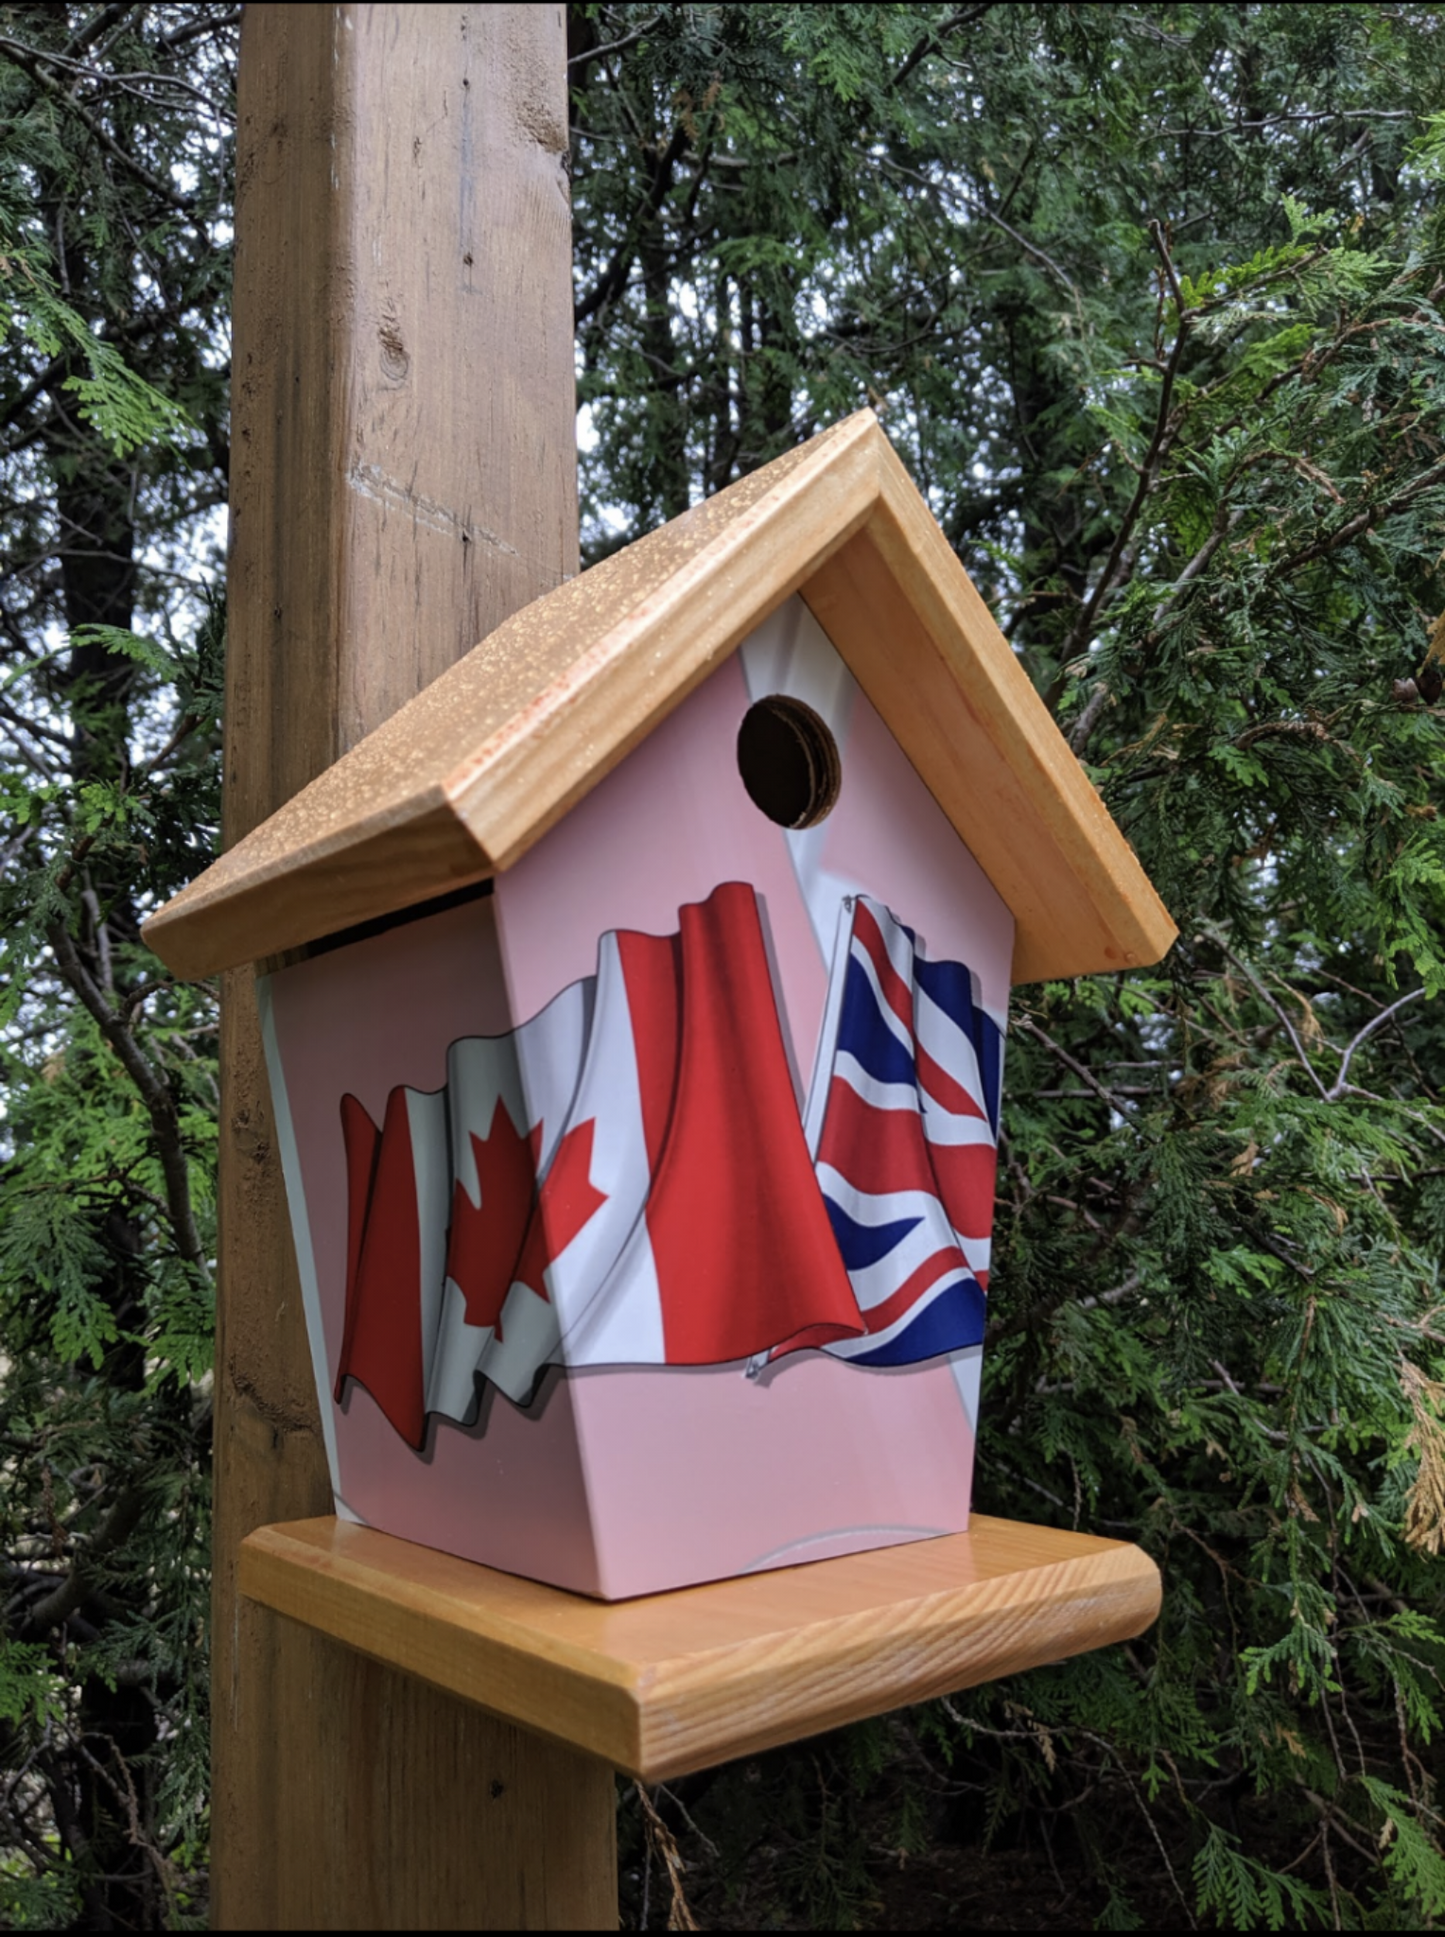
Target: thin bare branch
(1341,1083)
(932,43)
(612,46)
(1263,993)
(116,1528)
(1121,1105)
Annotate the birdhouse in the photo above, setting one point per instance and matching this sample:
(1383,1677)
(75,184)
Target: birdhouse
(634,1004)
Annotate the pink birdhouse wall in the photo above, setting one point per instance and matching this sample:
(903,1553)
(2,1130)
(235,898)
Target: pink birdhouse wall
(643,1202)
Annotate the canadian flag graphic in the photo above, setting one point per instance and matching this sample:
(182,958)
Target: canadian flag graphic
(624,1179)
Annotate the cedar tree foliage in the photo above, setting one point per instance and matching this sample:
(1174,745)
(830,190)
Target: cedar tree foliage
(1149,298)
(115,133)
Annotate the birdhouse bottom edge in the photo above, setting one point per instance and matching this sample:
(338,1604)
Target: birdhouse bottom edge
(629,1480)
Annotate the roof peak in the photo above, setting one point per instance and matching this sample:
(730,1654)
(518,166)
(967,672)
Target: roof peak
(465,778)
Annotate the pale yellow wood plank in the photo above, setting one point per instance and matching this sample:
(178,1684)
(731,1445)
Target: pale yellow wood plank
(674,1682)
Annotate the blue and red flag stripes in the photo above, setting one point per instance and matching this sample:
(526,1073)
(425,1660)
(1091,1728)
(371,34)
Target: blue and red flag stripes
(906,1152)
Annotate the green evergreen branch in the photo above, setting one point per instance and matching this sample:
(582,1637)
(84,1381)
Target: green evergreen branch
(154,1093)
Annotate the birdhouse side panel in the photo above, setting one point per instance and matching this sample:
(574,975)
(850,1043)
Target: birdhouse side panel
(364,1022)
(701,1472)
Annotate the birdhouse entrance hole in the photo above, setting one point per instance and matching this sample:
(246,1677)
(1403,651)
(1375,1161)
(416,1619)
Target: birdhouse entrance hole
(789,761)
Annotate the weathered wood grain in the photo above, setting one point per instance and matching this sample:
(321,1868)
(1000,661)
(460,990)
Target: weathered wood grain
(675,1682)
(403,479)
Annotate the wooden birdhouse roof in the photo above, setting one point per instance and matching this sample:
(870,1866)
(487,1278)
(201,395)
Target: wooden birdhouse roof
(460,783)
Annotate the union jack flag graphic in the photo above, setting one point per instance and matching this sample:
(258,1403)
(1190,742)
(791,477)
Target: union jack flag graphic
(903,1120)
(624,1179)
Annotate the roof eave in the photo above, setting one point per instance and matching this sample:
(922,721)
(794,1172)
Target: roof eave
(467,777)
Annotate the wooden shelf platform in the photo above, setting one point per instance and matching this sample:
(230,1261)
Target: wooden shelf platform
(675,1682)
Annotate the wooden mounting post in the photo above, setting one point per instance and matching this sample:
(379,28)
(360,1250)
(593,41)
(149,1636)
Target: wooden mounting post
(403,478)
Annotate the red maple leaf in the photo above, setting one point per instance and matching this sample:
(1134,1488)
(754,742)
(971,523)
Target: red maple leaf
(485,1238)
(567,1199)
(515,1231)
